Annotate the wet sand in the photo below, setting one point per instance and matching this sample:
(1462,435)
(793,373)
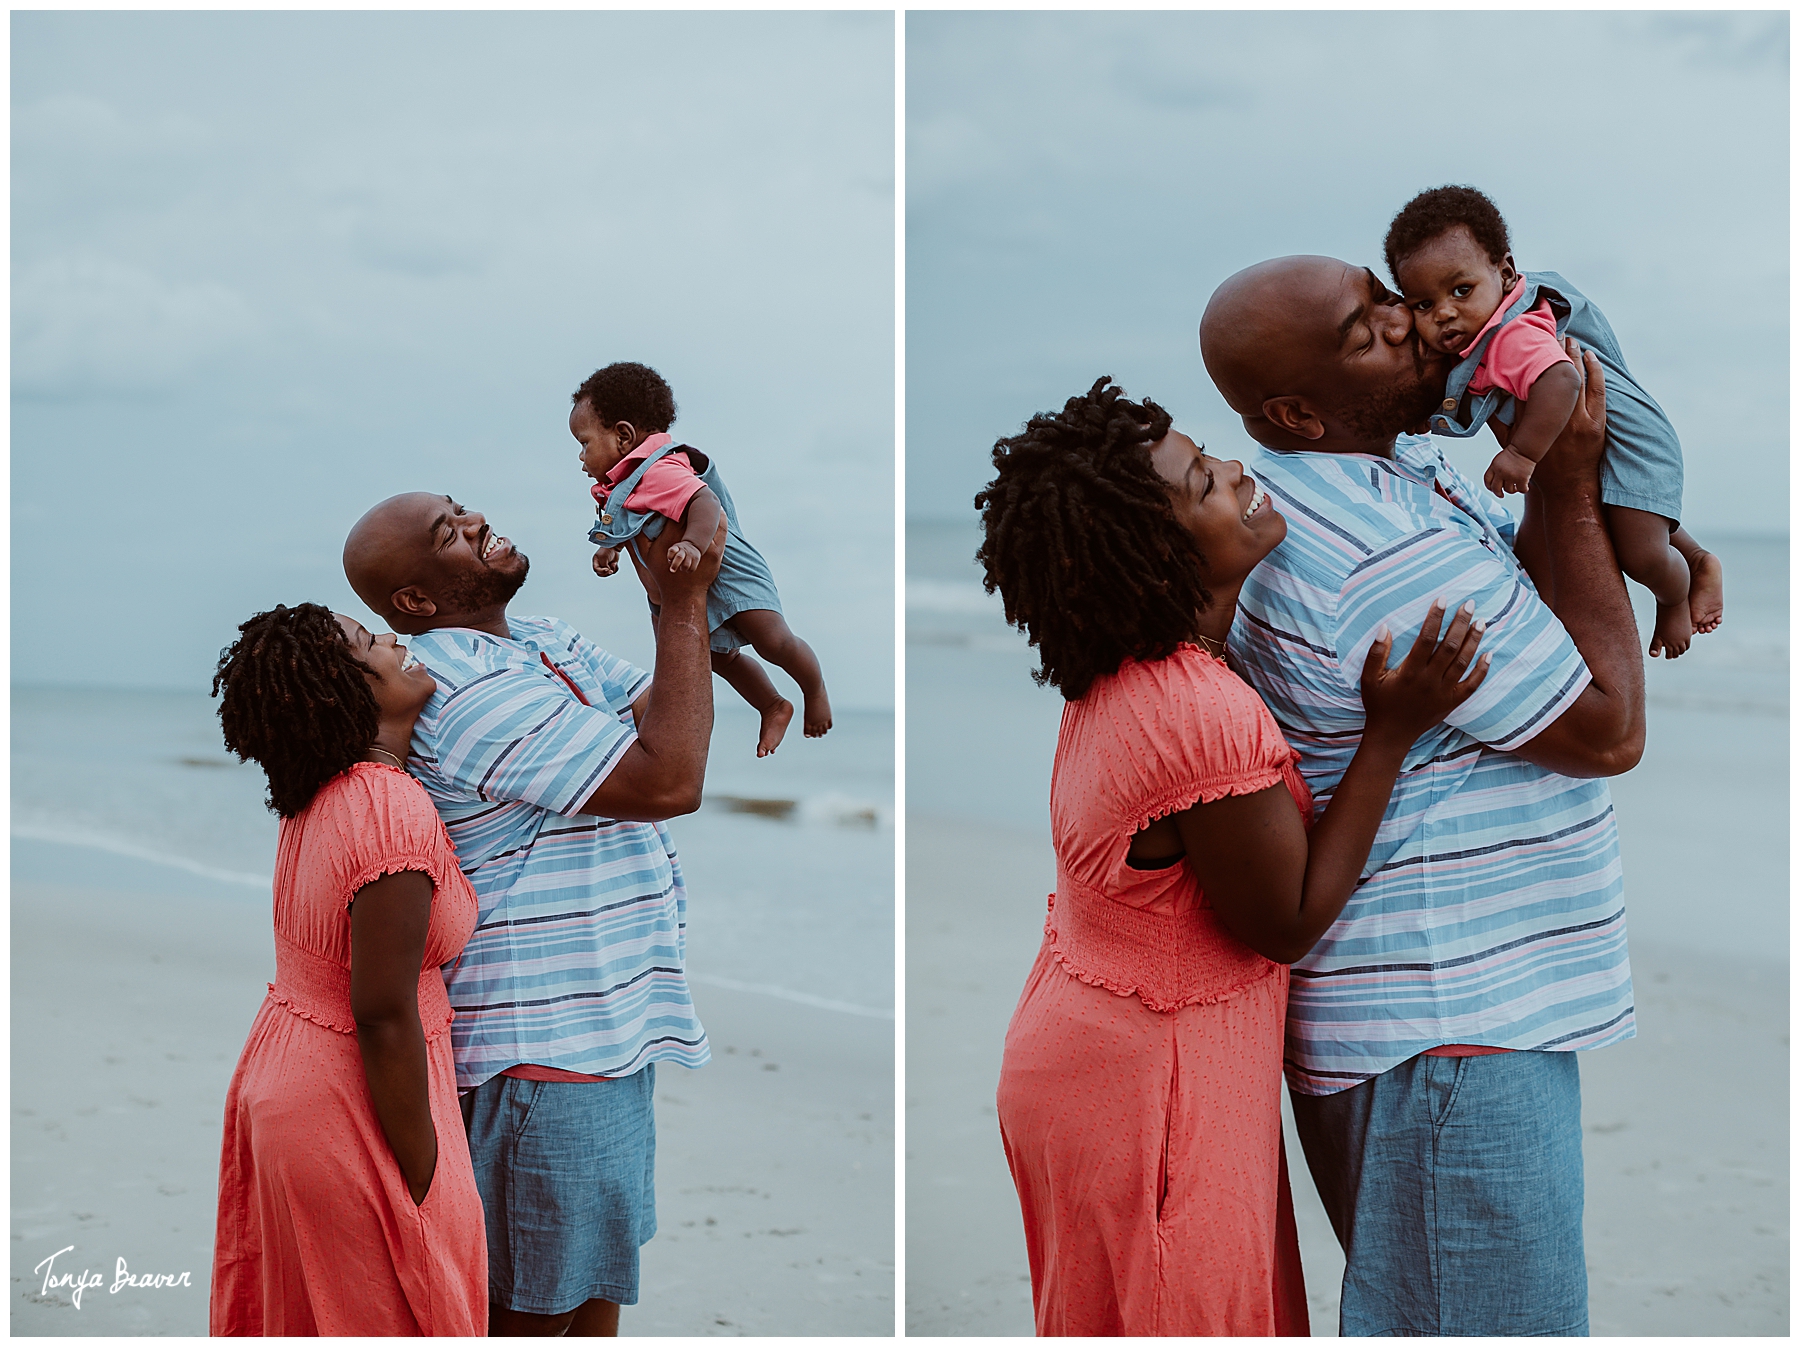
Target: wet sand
(1686,1126)
(133,987)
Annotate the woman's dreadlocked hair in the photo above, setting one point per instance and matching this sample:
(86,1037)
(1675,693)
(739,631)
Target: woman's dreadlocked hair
(296,700)
(1082,543)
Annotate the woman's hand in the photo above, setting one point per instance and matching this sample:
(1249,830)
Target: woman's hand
(1403,702)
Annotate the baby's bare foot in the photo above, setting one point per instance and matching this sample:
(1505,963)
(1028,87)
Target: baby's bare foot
(1706,592)
(775,719)
(1674,630)
(818,712)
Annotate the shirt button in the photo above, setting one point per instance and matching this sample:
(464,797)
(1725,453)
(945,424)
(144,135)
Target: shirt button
(1443,424)
(1449,404)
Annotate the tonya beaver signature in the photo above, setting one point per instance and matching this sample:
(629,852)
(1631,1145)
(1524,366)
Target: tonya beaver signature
(77,1282)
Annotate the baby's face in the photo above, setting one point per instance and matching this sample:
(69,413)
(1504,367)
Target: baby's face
(1453,288)
(601,448)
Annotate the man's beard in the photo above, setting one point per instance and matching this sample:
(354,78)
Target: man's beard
(488,589)
(1398,408)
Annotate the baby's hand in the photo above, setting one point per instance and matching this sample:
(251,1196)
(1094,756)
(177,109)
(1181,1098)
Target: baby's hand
(606,561)
(1509,472)
(683,556)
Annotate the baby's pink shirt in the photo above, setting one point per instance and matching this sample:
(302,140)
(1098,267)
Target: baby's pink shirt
(666,487)
(1519,352)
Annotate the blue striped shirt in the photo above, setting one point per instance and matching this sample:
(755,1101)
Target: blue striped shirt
(578,958)
(1491,910)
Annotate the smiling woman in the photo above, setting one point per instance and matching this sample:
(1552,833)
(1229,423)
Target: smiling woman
(1139,1098)
(347,1199)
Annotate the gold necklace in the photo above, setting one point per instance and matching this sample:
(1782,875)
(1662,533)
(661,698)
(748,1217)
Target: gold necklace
(1214,648)
(376,748)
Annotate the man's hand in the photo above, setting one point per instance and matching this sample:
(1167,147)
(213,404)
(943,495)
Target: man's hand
(606,561)
(1573,460)
(681,582)
(683,556)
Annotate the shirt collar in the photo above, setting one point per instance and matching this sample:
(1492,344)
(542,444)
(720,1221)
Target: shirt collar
(639,452)
(1498,316)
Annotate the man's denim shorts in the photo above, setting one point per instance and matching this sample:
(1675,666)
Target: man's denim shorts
(1455,1186)
(567,1174)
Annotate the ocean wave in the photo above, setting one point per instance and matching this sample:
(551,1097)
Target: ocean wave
(829,808)
(784,994)
(1005,641)
(63,835)
(951,596)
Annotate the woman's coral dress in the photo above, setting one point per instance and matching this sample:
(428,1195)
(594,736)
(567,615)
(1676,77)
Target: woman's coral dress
(317,1233)
(1139,1095)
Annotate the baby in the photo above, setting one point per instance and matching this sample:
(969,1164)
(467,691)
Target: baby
(1451,258)
(645,482)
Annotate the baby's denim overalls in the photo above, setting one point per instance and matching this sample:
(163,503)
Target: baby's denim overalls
(744,581)
(1642,468)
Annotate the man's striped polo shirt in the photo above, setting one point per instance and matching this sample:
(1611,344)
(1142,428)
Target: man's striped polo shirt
(577,961)
(1491,910)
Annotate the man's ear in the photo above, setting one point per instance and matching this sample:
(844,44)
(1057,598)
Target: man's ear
(1293,415)
(413,602)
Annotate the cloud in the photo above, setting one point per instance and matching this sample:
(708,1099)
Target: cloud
(85,326)
(76,126)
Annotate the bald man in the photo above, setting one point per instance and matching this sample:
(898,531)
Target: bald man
(1431,1033)
(553,765)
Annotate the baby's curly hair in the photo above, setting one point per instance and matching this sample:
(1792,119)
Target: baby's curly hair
(1082,542)
(295,700)
(628,391)
(1431,212)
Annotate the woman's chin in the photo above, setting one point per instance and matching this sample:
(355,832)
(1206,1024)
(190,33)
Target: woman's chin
(1271,531)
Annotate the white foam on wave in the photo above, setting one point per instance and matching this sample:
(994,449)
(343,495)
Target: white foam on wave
(951,596)
(822,808)
(784,994)
(845,812)
(63,835)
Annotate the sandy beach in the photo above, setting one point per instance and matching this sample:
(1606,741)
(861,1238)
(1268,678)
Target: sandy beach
(774,1164)
(1686,1125)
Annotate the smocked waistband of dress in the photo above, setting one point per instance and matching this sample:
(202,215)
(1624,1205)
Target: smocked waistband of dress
(318,989)
(1166,959)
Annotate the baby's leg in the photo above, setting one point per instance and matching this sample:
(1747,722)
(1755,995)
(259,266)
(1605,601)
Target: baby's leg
(1641,540)
(1706,590)
(749,681)
(768,631)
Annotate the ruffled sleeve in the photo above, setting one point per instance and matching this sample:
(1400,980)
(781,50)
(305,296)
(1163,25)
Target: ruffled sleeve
(1153,740)
(385,824)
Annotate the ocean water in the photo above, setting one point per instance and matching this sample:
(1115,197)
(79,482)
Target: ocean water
(1703,819)
(789,864)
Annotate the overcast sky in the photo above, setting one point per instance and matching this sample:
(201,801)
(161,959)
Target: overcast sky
(271,268)
(1077,185)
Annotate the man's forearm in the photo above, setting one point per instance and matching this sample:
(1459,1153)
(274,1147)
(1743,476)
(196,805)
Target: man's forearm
(676,727)
(1602,733)
(661,775)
